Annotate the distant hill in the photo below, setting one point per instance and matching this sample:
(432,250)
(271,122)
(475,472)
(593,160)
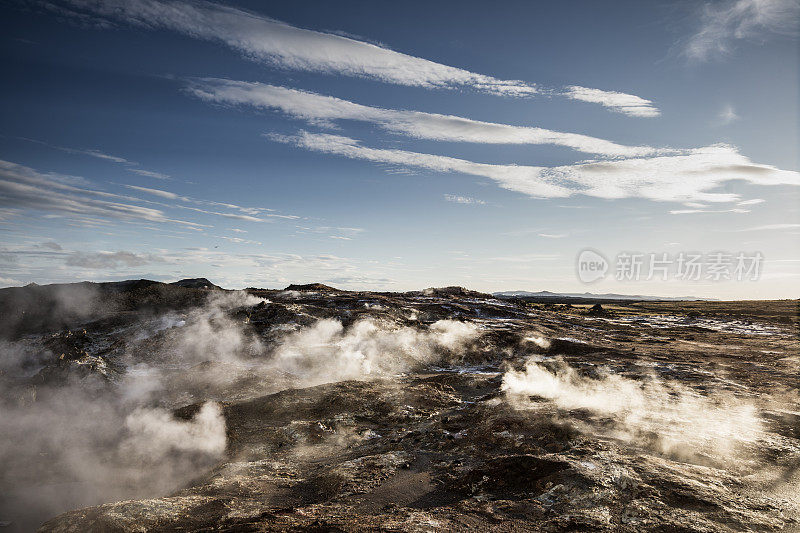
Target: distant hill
(547,295)
(453,290)
(311,287)
(40,308)
(196,283)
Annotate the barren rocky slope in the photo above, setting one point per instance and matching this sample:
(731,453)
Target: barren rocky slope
(189,408)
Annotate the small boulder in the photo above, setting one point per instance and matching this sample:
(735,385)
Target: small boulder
(597,309)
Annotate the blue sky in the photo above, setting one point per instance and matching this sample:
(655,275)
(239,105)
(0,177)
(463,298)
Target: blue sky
(376,145)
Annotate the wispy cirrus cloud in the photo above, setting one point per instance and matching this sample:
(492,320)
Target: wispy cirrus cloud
(321,110)
(463,200)
(283,45)
(10,282)
(131,166)
(772,227)
(286,46)
(156,192)
(110,260)
(248,214)
(234,216)
(23,188)
(689,177)
(239,240)
(627,104)
(693,211)
(723,24)
(91,152)
(753,201)
(727,115)
(333,232)
(150,173)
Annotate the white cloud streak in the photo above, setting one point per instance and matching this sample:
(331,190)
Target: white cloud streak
(321,110)
(149,173)
(282,45)
(679,178)
(97,154)
(239,240)
(463,200)
(234,216)
(246,213)
(772,227)
(91,153)
(627,104)
(155,192)
(24,188)
(754,201)
(725,23)
(340,233)
(693,211)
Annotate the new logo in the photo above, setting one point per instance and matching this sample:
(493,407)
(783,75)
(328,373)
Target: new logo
(591,266)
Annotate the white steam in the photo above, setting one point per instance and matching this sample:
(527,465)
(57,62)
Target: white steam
(327,352)
(114,437)
(72,448)
(667,417)
(539,341)
(154,433)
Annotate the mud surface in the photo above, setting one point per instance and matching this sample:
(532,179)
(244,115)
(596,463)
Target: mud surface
(324,410)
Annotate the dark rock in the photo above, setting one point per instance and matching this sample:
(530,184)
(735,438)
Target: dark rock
(195,283)
(311,287)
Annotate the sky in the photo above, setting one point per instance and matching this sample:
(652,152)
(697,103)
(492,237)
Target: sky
(397,146)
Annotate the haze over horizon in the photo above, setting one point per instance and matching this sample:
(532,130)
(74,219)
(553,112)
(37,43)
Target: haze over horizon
(398,147)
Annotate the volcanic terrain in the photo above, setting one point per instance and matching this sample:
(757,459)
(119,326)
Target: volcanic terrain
(144,406)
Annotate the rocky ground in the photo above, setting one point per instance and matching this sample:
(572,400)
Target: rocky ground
(153,407)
